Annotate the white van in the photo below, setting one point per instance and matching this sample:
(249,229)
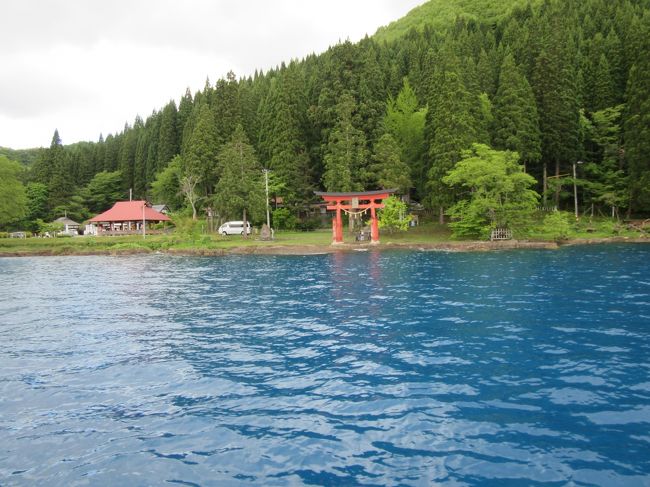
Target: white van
(234,228)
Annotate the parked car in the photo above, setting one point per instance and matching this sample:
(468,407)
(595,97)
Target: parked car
(234,228)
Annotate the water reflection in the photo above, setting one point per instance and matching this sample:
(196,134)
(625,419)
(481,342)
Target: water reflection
(376,368)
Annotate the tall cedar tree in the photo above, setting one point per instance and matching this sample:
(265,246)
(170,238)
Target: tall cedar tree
(388,168)
(282,141)
(453,131)
(240,189)
(516,123)
(168,145)
(60,185)
(200,156)
(554,79)
(637,125)
(346,156)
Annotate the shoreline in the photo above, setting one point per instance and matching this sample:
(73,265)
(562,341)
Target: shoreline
(315,249)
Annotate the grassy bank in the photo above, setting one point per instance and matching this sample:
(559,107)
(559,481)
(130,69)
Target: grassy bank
(428,235)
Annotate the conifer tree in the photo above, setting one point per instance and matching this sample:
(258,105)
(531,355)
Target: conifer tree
(127,153)
(346,155)
(225,105)
(200,156)
(140,165)
(556,96)
(637,124)
(516,123)
(405,121)
(453,131)
(603,94)
(185,107)
(167,136)
(388,168)
(60,186)
(240,188)
(282,139)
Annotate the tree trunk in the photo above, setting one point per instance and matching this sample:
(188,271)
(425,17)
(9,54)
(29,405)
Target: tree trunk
(441,216)
(244,231)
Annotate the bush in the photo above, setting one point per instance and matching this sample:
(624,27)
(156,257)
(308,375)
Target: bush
(557,226)
(309,224)
(188,228)
(4,235)
(283,219)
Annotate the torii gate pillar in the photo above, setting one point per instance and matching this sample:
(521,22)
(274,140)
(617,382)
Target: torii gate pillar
(364,200)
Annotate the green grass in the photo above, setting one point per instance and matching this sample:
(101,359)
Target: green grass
(427,233)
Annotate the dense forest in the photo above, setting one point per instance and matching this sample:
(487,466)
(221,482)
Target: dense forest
(564,83)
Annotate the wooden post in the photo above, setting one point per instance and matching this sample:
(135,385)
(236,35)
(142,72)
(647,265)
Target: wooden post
(374,225)
(338,234)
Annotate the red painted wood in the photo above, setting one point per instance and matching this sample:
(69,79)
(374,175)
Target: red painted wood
(367,200)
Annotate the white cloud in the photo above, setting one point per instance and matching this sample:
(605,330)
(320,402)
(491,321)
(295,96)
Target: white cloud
(87,67)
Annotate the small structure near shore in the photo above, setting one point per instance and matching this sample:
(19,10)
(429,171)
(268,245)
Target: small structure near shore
(125,218)
(355,203)
(70,227)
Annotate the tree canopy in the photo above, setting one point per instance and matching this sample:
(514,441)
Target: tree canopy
(538,78)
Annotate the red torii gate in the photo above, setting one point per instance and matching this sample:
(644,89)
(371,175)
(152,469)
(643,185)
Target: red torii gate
(357,201)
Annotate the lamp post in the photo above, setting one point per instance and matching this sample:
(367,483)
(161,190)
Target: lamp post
(575,189)
(266,184)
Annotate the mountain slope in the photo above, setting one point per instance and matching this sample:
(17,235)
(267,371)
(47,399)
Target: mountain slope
(441,14)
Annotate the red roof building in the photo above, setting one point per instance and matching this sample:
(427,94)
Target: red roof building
(128,216)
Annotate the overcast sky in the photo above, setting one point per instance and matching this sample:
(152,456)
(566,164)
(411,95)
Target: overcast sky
(86,67)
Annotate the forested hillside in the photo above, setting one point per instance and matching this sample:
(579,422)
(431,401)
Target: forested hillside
(557,81)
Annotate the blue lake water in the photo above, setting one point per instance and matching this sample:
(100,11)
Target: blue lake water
(375,368)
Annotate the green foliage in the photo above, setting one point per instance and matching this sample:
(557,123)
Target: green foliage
(394,215)
(36,201)
(442,14)
(13,200)
(516,123)
(496,192)
(346,153)
(200,153)
(637,123)
(27,157)
(557,226)
(471,67)
(240,189)
(282,219)
(605,183)
(389,169)
(308,224)
(405,121)
(49,228)
(453,132)
(166,187)
(103,191)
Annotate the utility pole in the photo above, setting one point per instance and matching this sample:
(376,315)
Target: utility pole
(575,189)
(266,183)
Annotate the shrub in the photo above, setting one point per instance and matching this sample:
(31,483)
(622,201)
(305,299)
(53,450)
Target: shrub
(556,225)
(283,219)
(309,224)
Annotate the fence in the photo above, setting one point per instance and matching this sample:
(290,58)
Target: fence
(501,234)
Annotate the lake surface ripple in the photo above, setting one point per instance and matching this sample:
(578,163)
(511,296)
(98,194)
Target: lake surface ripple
(374,368)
